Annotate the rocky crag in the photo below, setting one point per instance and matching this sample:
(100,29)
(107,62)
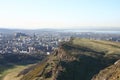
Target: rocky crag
(78,59)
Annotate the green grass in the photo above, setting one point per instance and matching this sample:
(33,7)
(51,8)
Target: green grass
(3,69)
(100,46)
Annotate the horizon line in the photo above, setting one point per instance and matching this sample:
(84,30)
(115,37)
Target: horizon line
(74,27)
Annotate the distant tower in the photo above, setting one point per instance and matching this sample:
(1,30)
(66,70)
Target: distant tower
(34,36)
(0,34)
(34,39)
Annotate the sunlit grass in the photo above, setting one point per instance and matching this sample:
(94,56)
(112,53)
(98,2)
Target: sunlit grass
(33,73)
(99,46)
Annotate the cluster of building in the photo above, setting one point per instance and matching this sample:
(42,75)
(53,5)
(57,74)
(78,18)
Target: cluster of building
(30,43)
(44,42)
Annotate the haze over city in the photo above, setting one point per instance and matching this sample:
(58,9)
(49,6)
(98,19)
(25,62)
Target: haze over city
(37,14)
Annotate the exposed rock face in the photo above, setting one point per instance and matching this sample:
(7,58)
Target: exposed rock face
(48,69)
(109,73)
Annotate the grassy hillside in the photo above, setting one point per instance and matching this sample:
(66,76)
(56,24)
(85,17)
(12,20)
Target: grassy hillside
(78,59)
(106,47)
(11,74)
(9,61)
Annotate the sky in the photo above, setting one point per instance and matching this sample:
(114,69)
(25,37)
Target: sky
(36,14)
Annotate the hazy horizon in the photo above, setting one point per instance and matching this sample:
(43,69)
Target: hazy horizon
(59,14)
(66,29)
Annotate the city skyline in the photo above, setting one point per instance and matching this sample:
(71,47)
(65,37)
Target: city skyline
(59,14)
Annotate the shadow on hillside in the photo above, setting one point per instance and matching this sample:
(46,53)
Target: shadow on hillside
(84,69)
(8,61)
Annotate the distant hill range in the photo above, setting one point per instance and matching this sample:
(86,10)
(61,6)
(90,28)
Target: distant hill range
(3,30)
(89,29)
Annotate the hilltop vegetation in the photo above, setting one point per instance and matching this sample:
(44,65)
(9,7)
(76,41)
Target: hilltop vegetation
(106,47)
(78,59)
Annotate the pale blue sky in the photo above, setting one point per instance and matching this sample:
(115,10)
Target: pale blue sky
(33,14)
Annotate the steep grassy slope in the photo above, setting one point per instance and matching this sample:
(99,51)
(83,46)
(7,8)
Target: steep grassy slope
(79,59)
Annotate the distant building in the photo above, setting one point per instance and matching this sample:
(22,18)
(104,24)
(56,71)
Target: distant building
(48,53)
(24,51)
(31,49)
